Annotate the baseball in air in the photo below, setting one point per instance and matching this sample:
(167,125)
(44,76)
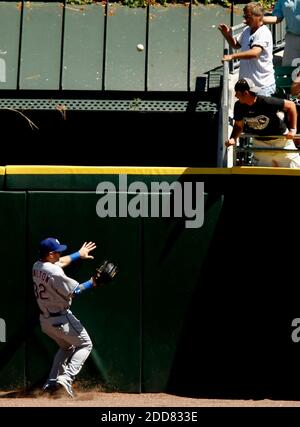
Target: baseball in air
(140,47)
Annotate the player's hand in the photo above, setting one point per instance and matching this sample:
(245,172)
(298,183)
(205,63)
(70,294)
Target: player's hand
(230,142)
(85,249)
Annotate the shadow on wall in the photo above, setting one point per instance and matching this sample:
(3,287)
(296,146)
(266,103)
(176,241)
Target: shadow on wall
(236,341)
(110,138)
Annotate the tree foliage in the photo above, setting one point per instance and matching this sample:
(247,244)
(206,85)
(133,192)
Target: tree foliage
(268,4)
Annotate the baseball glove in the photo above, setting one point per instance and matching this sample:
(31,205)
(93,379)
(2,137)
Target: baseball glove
(105,273)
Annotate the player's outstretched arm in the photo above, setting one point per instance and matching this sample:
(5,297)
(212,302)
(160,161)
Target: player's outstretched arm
(84,286)
(104,275)
(83,253)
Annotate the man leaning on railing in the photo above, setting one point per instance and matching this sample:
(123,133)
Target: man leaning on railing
(263,118)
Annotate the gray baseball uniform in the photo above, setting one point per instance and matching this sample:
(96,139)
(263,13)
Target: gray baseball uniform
(53,291)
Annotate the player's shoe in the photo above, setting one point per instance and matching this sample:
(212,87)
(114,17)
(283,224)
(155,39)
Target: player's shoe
(64,386)
(50,388)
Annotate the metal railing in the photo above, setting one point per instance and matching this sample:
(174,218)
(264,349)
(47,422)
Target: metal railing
(243,152)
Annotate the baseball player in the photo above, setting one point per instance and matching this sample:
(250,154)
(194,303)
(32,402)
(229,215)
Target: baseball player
(54,292)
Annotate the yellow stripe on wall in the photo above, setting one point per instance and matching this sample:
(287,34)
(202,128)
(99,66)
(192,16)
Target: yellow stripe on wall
(256,170)
(112,170)
(144,170)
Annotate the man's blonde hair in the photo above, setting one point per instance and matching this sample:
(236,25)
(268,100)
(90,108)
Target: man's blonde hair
(254,8)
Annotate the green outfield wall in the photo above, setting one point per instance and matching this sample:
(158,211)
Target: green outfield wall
(13,302)
(2,176)
(204,311)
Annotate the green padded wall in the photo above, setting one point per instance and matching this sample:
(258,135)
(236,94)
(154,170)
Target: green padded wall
(205,311)
(110,315)
(13,299)
(173,259)
(2,177)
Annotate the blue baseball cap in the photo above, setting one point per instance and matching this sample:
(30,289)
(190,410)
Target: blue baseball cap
(51,245)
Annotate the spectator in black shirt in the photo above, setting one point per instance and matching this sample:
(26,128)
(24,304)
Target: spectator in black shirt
(262,117)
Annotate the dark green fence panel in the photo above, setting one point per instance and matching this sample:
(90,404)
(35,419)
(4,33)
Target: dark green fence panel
(9,36)
(237,338)
(2,177)
(173,259)
(206,39)
(125,64)
(41,45)
(13,299)
(75,182)
(111,315)
(94,46)
(168,48)
(83,47)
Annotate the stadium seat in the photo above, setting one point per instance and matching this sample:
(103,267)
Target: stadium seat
(283,79)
